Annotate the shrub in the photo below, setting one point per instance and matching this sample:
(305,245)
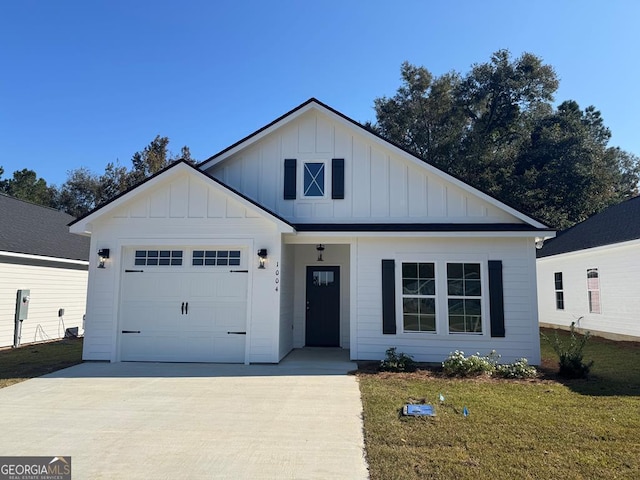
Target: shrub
(397,362)
(457,365)
(570,353)
(518,369)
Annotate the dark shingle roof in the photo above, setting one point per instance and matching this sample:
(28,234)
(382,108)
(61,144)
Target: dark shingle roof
(36,230)
(618,223)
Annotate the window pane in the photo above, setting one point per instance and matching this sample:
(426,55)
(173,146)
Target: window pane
(427,287)
(152,253)
(163,261)
(454,270)
(426,270)
(141,253)
(410,305)
(427,323)
(410,270)
(222,261)
(472,271)
(176,253)
(165,253)
(472,288)
(558,280)
(234,253)
(314,179)
(234,261)
(210,261)
(152,261)
(455,287)
(560,300)
(472,307)
(410,286)
(456,307)
(594,301)
(210,253)
(197,261)
(456,323)
(198,253)
(140,261)
(411,323)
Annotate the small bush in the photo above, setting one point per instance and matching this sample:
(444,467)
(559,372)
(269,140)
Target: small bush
(397,362)
(570,353)
(518,369)
(457,365)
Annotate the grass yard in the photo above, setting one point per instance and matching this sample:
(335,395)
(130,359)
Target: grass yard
(546,428)
(19,364)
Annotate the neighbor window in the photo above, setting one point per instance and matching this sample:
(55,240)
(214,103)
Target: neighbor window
(464,295)
(313,179)
(215,258)
(559,290)
(419,297)
(159,257)
(593,290)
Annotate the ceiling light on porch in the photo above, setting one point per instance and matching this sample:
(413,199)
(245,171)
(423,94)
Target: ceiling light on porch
(320,249)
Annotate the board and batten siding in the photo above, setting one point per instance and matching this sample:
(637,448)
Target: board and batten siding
(520,308)
(183,211)
(287,285)
(618,272)
(51,289)
(379,184)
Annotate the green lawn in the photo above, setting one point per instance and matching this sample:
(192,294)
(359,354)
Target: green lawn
(19,364)
(542,429)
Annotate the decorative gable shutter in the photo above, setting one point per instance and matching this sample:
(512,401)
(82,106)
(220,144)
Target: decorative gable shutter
(290,178)
(496,298)
(337,178)
(388,297)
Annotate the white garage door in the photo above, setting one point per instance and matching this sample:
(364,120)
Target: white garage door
(183,305)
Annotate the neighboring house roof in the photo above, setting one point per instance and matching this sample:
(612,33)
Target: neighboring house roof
(32,229)
(317,104)
(616,224)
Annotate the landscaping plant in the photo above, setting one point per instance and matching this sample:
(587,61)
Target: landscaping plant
(570,353)
(397,362)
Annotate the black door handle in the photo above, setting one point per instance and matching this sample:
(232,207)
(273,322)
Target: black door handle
(186,309)
(182,309)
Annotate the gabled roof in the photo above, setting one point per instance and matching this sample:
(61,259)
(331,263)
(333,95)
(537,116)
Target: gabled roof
(616,224)
(32,229)
(83,221)
(314,103)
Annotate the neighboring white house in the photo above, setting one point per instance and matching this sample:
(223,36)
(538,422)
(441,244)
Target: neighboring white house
(588,274)
(312,231)
(38,254)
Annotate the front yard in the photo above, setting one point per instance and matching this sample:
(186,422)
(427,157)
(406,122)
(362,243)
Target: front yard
(546,428)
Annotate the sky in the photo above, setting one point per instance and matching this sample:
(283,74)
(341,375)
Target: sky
(85,83)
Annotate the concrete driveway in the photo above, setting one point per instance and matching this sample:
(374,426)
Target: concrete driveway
(300,419)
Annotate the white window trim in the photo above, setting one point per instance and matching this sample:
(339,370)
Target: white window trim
(326,181)
(402,296)
(599,290)
(442,297)
(555,292)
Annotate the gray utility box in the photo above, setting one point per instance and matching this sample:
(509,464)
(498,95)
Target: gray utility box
(23,297)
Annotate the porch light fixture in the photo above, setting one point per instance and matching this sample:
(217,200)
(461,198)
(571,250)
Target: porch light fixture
(320,249)
(103,254)
(262,254)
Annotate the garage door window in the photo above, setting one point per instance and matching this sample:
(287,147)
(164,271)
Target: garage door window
(215,258)
(159,257)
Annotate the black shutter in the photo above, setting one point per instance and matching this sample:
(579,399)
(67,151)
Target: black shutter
(496,298)
(388,297)
(337,178)
(290,179)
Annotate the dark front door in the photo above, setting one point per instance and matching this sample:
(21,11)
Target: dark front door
(323,307)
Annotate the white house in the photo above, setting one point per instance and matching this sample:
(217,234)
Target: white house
(588,274)
(312,231)
(47,265)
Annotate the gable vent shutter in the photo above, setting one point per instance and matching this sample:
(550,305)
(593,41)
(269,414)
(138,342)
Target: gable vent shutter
(388,297)
(337,178)
(496,298)
(290,179)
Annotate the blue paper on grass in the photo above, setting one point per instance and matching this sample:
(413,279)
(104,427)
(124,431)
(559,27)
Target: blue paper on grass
(418,410)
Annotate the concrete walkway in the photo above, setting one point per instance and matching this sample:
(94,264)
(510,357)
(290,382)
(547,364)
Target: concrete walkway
(300,419)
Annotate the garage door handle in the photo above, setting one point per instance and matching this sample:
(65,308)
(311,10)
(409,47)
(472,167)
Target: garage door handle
(182,309)
(186,308)
(130,331)
(236,333)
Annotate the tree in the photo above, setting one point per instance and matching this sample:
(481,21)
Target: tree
(80,193)
(496,128)
(26,185)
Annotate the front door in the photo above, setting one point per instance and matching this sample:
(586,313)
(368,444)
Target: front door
(323,307)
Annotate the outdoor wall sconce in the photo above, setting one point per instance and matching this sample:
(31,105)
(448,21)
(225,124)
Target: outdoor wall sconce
(262,254)
(320,249)
(103,254)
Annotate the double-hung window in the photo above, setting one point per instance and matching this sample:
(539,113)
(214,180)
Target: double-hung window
(418,297)
(464,297)
(593,290)
(559,290)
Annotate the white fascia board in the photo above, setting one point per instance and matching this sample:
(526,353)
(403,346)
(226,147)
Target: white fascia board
(303,235)
(43,257)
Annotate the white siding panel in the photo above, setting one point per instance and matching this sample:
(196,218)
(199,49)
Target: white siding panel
(307,134)
(379,184)
(360,182)
(324,135)
(179,195)
(158,204)
(197,199)
(51,289)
